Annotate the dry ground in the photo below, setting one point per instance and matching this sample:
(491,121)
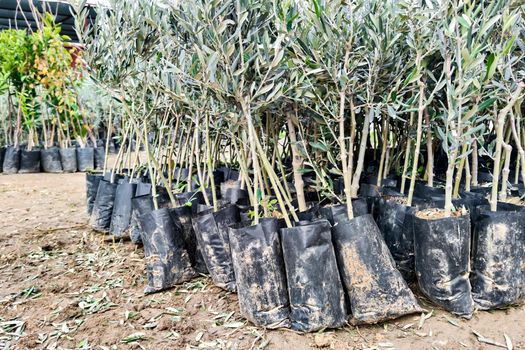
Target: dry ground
(63,286)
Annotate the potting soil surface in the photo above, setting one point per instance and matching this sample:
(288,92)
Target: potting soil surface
(63,286)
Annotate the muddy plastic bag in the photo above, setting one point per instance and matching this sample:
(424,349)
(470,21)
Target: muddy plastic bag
(11,160)
(182,217)
(51,160)
(85,159)
(68,158)
(376,289)
(167,261)
(442,257)
(497,257)
(103,206)
(99,156)
(29,161)
(121,215)
(211,230)
(314,286)
(259,273)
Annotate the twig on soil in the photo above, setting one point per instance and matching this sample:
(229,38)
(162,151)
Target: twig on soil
(489,341)
(424,318)
(508,342)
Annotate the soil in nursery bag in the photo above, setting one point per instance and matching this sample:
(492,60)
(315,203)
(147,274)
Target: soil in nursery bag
(376,289)
(315,290)
(99,155)
(2,156)
(29,161)
(68,159)
(121,215)
(51,160)
(211,230)
(103,206)
(85,158)
(11,162)
(182,217)
(442,257)
(260,275)
(167,261)
(337,212)
(497,257)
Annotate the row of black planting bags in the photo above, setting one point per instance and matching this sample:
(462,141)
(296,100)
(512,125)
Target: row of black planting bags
(50,160)
(326,270)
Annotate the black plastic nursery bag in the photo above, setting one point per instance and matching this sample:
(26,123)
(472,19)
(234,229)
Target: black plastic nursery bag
(92,182)
(376,289)
(99,155)
(314,285)
(140,205)
(338,212)
(211,230)
(442,257)
(51,160)
(167,262)
(103,206)
(11,160)
(260,275)
(29,161)
(231,191)
(68,158)
(182,216)
(121,215)
(395,221)
(85,158)
(2,156)
(497,258)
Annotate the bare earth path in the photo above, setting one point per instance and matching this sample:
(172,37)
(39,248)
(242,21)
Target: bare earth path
(63,286)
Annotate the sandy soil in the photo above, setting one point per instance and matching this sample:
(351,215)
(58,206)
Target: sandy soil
(63,286)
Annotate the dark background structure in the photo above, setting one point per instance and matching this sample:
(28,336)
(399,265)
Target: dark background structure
(17,14)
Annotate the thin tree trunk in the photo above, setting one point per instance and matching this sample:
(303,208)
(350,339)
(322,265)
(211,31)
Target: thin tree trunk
(468,176)
(430,152)
(459,172)
(108,138)
(475,162)
(407,153)
(506,172)
(420,111)
(362,150)
(517,141)
(384,144)
(297,162)
(347,179)
(500,126)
